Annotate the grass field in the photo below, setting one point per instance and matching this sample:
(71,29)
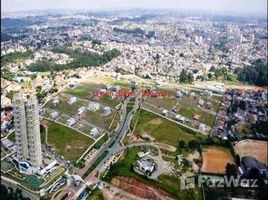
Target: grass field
(168,183)
(5,165)
(215,159)
(83,90)
(33,182)
(67,142)
(96,195)
(256,149)
(189,112)
(97,119)
(163,130)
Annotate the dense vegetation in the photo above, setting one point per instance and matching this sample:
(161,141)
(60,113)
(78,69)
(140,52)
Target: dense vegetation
(256,74)
(6,74)
(9,194)
(80,59)
(186,77)
(16,56)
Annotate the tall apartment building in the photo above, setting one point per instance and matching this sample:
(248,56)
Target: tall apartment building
(27,129)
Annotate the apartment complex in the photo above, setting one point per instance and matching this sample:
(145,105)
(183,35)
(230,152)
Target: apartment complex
(27,129)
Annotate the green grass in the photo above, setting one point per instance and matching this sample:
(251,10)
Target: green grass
(205,117)
(82,90)
(67,142)
(33,182)
(5,165)
(97,119)
(105,100)
(11,136)
(170,184)
(166,131)
(96,195)
(165,102)
(96,163)
(115,121)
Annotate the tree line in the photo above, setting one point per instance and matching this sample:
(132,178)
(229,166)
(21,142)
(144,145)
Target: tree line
(80,59)
(255,74)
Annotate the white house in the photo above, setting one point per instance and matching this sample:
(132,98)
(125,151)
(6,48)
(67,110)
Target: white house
(72,100)
(107,111)
(165,112)
(81,110)
(54,115)
(202,127)
(94,131)
(71,121)
(93,106)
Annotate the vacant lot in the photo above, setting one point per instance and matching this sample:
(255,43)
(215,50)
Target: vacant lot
(215,159)
(83,90)
(256,149)
(163,130)
(67,142)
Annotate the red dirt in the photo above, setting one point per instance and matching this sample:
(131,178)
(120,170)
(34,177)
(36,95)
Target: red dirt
(140,189)
(215,160)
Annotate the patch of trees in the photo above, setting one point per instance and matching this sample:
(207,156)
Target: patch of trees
(80,59)
(256,74)
(137,31)
(6,74)
(13,57)
(217,73)
(9,194)
(186,77)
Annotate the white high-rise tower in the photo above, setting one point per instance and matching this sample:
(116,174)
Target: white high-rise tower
(27,129)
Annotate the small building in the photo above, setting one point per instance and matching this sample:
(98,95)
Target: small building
(141,154)
(182,120)
(202,127)
(107,111)
(208,105)
(54,115)
(94,131)
(192,94)
(71,121)
(201,102)
(196,117)
(55,102)
(72,100)
(165,112)
(177,117)
(81,110)
(93,106)
(146,166)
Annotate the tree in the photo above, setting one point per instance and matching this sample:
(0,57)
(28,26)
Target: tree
(193,144)
(183,76)
(181,144)
(231,170)
(190,77)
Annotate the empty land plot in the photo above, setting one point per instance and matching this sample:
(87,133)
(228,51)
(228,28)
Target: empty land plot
(254,148)
(215,159)
(67,142)
(163,102)
(163,130)
(98,119)
(83,90)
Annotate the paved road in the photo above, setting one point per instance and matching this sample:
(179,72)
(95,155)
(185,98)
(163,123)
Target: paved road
(112,146)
